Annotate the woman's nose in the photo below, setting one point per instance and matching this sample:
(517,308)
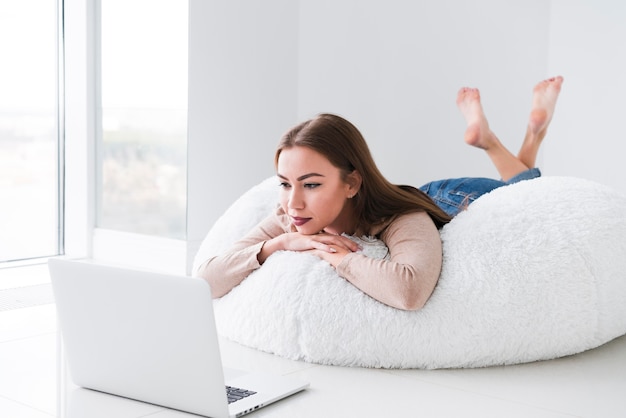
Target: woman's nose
(295,200)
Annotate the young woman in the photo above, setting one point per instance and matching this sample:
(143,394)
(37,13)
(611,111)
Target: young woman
(331,186)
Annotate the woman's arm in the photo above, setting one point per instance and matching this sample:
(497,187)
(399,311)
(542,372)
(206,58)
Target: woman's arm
(225,271)
(408,278)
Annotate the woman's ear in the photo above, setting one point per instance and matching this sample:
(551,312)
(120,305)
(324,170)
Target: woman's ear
(354,181)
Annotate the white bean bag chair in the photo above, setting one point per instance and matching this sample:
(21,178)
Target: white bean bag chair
(532,271)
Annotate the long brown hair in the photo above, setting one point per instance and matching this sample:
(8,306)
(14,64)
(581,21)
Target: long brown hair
(378,200)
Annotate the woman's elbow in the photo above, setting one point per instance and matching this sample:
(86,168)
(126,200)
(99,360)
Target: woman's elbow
(415,293)
(411,301)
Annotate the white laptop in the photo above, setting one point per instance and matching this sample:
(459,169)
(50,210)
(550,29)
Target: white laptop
(152,337)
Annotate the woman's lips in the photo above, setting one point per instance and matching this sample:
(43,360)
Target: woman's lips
(297,221)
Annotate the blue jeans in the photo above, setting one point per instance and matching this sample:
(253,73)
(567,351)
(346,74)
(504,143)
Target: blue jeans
(454,195)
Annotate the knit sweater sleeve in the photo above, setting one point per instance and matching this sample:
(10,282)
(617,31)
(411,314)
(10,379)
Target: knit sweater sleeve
(407,278)
(225,271)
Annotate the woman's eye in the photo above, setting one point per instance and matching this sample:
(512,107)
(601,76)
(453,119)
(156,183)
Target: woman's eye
(283,185)
(311,185)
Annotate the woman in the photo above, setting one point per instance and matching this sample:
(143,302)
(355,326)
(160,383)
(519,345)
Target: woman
(331,186)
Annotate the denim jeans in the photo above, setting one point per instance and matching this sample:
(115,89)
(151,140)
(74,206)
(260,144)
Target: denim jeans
(454,195)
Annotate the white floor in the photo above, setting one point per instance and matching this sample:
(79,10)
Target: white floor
(591,384)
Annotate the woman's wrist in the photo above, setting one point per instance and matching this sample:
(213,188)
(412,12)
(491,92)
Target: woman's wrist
(269,247)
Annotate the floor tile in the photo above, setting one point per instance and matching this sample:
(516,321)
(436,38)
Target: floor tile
(28,322)
(346,392)
(589,384)
(12,409)
(29,372)
(240,357)
(85,403)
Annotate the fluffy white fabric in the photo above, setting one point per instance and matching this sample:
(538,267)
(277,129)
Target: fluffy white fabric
(531,271)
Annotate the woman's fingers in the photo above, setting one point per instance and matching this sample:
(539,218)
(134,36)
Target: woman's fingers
(326,247)
(325,242)
(331,242)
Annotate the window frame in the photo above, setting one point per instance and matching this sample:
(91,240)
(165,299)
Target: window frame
(60,149)
(113,246)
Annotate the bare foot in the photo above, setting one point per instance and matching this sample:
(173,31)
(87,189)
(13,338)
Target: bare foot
(477,133)
(545,95)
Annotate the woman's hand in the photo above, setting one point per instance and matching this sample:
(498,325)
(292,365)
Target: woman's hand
(334,257)
(329,247)
(330,243)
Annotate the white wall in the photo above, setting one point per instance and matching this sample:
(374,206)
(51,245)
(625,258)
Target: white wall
(242,97)
(587,47)
(393,67)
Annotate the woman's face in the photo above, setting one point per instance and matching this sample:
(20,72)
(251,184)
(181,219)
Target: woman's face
(313,193)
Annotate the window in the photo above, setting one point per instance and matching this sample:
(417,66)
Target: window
(142,151)
(30,130)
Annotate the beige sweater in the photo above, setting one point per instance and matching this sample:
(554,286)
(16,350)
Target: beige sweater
(405,280)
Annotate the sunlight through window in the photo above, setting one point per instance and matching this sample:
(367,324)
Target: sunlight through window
(143,148)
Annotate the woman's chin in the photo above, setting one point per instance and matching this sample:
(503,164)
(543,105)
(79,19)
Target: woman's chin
(304,230)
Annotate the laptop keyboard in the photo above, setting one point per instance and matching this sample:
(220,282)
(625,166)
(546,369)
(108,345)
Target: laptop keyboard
(236,394)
